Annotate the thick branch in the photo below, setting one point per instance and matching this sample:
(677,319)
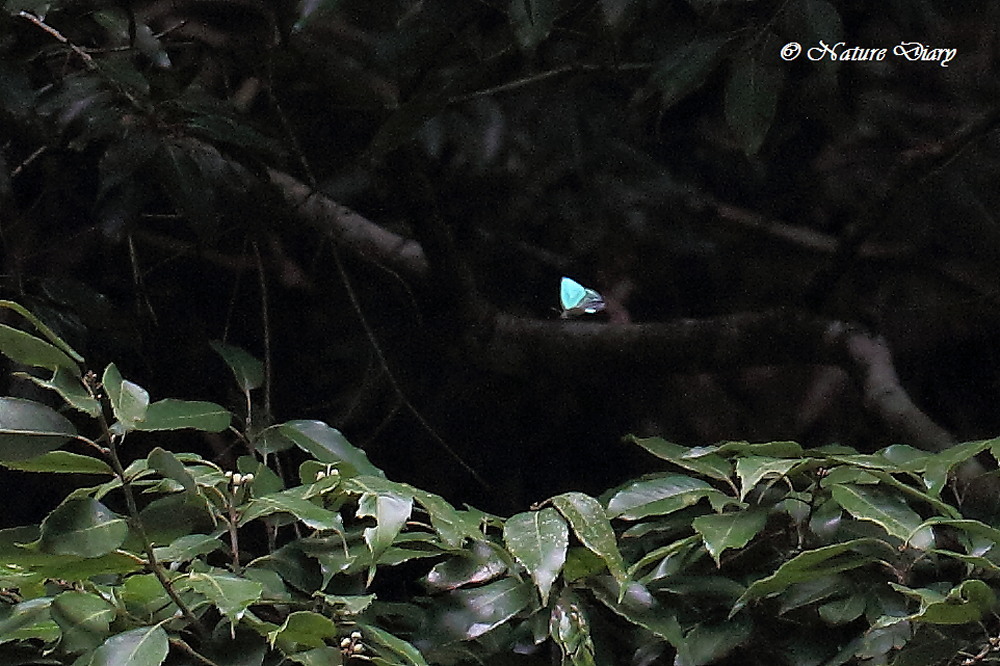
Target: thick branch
(520,346)
(352,231)
(581,349)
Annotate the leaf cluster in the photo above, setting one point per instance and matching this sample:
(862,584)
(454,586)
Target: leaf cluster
(754,552)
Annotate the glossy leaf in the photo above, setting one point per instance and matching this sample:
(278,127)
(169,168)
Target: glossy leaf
(844,610)
(231,594)
(304,628)
(188,547)
(173,414)
(384,643)
(23,616)
(129,401)
(967,602)
(590,524)
(291,501)
(82,527)
(810,564)
(84,618)
(166,463)
(538,539)
(28,429)
(665,494)
(729,530)
(61,462)
(473,612)
(390,513)
(145,646)
(29,350)
(248,371)
(70,387)
(42,328)
(569,628)
(709,643)
(751,470)
(324,443)
(711,465)
(886,510)
(319,656)
(477,565)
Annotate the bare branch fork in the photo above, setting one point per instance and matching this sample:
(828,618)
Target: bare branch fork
(519,345)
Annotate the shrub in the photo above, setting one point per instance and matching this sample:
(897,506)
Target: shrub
(739,552)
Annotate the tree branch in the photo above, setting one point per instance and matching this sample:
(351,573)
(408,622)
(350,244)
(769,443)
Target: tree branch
(519,345)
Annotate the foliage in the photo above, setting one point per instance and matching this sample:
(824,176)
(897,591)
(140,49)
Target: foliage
(759,553)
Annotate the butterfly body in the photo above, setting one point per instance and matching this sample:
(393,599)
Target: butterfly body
(577,300)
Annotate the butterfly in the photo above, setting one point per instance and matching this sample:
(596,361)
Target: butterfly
(577,300)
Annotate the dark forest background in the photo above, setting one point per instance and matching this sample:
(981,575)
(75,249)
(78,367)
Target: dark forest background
(379,200)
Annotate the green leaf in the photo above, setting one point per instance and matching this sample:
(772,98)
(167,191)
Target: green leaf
(710,465)
(84,618)
(70,387)
(538,539)
(709,643)
(324,443)
(383,642)
(477,565)
(812,564)
(167,465)
(188,547)
(640,608)
(590,524)
(967,602)
(27,349)
(28,429)
(686,68)
(753,469)
(231,594)
(61,462)
(473,612)
(569,628)
(82,527)
(173,414)
(320,656)
(729,530)
(145,646)
(888,511)
(751,99)
(23,617)
(660,495)
(128,401)
(303,628)
(291,501)
(248,371)
(44,330)
(390,512)
(842,611)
